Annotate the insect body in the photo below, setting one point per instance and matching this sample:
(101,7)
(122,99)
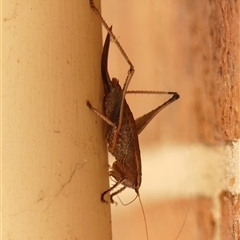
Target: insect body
(122,129)
(123,142)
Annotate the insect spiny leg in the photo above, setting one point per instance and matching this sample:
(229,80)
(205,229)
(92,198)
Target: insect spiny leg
(114,39)
(102,116)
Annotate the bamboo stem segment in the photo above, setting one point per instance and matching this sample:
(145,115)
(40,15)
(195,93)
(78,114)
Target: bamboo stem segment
(54,158)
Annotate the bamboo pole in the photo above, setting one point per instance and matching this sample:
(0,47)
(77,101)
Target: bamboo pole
(54,158)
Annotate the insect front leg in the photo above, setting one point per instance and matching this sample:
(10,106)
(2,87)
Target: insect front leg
(113,194)
(119,176)
(116,193)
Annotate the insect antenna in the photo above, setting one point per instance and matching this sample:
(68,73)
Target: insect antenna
(125,204)
(185,219)
(143,212)
(144,216)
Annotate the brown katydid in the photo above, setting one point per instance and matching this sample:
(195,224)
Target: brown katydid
(122,130)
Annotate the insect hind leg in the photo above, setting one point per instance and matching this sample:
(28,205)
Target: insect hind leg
(144,120)
(130,71)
